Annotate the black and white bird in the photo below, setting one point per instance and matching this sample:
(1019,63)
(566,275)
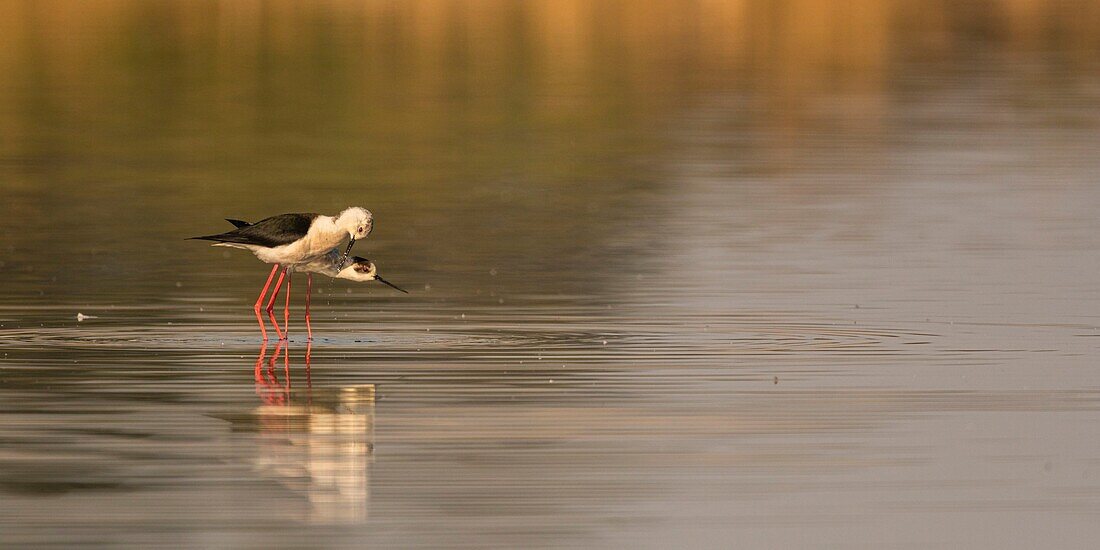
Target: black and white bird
(356,269)
(332,265)
(291,240)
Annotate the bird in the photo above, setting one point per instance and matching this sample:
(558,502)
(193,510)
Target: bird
(357,269)
(288,240)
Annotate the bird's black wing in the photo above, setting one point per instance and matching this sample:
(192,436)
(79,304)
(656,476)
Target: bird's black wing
(238,223)
(269,232)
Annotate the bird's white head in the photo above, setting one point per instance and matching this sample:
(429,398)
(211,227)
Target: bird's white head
(357,221)
(359,270)
(362,270)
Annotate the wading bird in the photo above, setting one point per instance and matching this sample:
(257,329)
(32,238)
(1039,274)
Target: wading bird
(289,240)
(331,264)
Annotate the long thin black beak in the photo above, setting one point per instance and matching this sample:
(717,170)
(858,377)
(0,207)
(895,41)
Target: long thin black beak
(347,251)
(387,283)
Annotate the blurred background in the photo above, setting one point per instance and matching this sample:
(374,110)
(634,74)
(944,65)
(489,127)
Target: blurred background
(791,271)
(521,136)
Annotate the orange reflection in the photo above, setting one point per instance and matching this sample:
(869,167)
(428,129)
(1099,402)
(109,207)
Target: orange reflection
(317,443)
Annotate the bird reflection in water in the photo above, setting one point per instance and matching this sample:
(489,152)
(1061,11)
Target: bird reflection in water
(317,443)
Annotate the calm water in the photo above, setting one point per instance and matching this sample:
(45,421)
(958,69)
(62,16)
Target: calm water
(771,274)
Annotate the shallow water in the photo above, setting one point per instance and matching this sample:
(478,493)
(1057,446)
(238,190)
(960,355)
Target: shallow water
(779,274)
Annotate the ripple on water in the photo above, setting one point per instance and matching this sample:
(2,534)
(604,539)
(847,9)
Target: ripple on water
(591,338)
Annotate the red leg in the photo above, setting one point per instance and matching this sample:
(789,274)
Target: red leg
(286,370)
(271,304)
(286,307)
(309,379)
(273,380)
(264,382)
(259,374)
(277,396)
(309,290)
(260,300)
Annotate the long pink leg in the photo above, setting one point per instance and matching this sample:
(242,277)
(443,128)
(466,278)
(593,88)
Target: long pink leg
(263,384)
(260,367)
(286,370)
(309,378)
(273,380)
(260,300)
(286,308)
(309,289)
(271,304)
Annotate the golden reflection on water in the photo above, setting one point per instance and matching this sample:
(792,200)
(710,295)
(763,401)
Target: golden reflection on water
(318,444)
(373,69)
(523,124)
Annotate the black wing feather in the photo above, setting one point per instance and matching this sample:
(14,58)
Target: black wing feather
(268,232)
(238,223)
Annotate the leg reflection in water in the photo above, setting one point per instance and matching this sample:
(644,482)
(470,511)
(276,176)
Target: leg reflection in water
(317,442)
